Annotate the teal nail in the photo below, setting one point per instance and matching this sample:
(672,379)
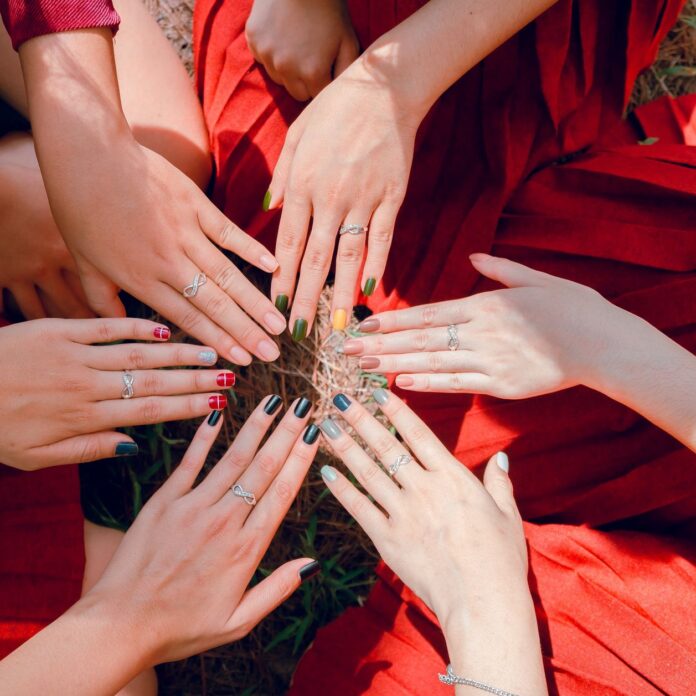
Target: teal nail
(328,473)
(126,449)
(380,396)
(330,429)
(267,201)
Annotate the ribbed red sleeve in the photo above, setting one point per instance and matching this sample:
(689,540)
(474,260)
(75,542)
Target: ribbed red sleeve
(25,19)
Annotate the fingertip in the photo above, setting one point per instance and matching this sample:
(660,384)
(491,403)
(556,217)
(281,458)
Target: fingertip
(501,459)
(405,381)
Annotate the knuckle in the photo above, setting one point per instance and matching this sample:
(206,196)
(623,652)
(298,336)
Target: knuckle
(283,490)
(105,332)
(349,255)
(367,473)
(225,234)
(421,340)
(428,315)
(225,276)
(87,451)
(152,383)
(267,463)
(135,359)
(215,306)
(381,235)
(289,242)
(150,410)
(382,447)
(434,362)
(394,192)
(455,382)
(356,505)
(418,433)
(190,320)
(316,261)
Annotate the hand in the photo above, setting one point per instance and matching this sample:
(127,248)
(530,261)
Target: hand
(540,335)
(62,395)
(179,578)
(346,159)
(301,42)
(36,267)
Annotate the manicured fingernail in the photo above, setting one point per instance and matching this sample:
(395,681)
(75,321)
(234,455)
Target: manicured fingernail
(302,407)
(352,347)
(226,379)
(370,285)
(339,319)
(501,459)
(381,396)
(281,303)
(217,401)
(267,201)
(163,333)
(330,428)
(239,356)
(311,434)
(299,330)
(267,350)
(275,324)
(369,363)
(309,571)
(328,473)
(214,417)
(368,325)
(341,402)
(209,357)
(268,262)
(404,381)
(272,405)
(126,449)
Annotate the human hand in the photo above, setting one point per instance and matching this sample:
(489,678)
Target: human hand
(62,396)
(179,579)
(346,160)
(302,43)
(540,335)
(36,267)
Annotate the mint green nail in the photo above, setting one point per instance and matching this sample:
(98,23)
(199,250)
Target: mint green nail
(328,473)
(380,396)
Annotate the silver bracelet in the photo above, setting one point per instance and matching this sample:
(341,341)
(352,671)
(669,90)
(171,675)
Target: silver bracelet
(451,679)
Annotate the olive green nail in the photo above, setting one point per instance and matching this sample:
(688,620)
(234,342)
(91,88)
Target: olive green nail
(281,303)
(267,201)
(370,285)
(299,330)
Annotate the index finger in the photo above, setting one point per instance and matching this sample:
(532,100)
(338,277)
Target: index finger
(434,314)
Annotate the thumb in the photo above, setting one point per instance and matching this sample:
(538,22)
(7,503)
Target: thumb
(101,293)
(497,482)
(259,601)
(84,448)
(509,273)
(348,51)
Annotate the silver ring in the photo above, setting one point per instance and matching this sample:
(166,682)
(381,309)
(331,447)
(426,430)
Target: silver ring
(400,461)
(191,290)
(352,229)
(453,342)
(247,496)
(127,391)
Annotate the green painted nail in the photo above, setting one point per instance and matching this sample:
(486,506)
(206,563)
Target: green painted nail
(281,303)
(370,285)
(266,201)
(299,330)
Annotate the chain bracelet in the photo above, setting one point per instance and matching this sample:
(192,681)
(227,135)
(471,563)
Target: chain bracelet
(451,679)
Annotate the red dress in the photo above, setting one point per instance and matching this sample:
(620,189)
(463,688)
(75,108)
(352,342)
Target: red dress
(526,157)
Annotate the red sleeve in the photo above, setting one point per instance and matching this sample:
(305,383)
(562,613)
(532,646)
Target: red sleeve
(25,19)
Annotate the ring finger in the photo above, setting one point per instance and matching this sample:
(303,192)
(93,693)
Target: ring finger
(412,341)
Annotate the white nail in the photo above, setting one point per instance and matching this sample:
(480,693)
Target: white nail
(501,459)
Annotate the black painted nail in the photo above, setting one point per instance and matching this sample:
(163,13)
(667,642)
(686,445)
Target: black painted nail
(311,434)
(214,417)
(341,402)
(302,408)
(126,449)
(309,571)
(281,303)
(272,405)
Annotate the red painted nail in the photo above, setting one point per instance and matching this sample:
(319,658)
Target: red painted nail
(217,402)
(226,379)
(162,332)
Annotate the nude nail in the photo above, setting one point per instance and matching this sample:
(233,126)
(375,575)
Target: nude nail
(352,347)
(274,322)
(268,263)
(369,324)
(369,363)
(267,350)
(404,381)
(239,356)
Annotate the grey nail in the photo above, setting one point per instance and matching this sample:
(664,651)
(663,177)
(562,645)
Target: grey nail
(207,356)
(328,473)
(330,428)
(380,396)
(501,459)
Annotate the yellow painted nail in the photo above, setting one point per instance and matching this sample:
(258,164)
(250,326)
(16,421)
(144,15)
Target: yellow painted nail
(339,319)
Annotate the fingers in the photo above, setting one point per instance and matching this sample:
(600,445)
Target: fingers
(28,300)
(282,171)
(424,316)
(509,273)
(143,356)
(459,361)
(90,331)
(379,239)
(348,51)
(84,448)
(497,482)
(101,293)
(297,88)
(455,383)
(410,341)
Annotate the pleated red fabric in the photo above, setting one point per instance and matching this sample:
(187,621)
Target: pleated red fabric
(526,157)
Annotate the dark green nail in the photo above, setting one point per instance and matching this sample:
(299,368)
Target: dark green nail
(272,405)
(309,571)
(281,303)
(266,201)
(299,330)
(370,285)
(311,434)
(302,408)
(126,449)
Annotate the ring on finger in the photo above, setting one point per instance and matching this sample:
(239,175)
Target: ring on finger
(247,496)
(352,229)
(400,461)
(453,337)
(192,290)
(127,391)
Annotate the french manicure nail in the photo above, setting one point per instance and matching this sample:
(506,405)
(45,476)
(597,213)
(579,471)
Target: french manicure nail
(368,325)
(275,324)
(272,405)
(501,459)
(268,262)
(330,429)
(381,396)
(404,381)
(309,571)
(352,347)
(369,363)
(217,401)
(281,303)
(268,350)
(299,330)
(226,379)
(311,434)
(267,201)
(328,473)
(214,417)
(339,319)
(209,357)
(126,449)
(162,333)
(302,407)
(239,356)
(370,285)
(341,402)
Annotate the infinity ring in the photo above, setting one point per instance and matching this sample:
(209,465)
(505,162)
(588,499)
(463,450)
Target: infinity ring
(198,280)
(400,461)
(352,229)
(247,496)
(453,342)
(127,391)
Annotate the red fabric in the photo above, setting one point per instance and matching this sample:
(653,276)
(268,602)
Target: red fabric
(526,157)
(25,19)
(41,549)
